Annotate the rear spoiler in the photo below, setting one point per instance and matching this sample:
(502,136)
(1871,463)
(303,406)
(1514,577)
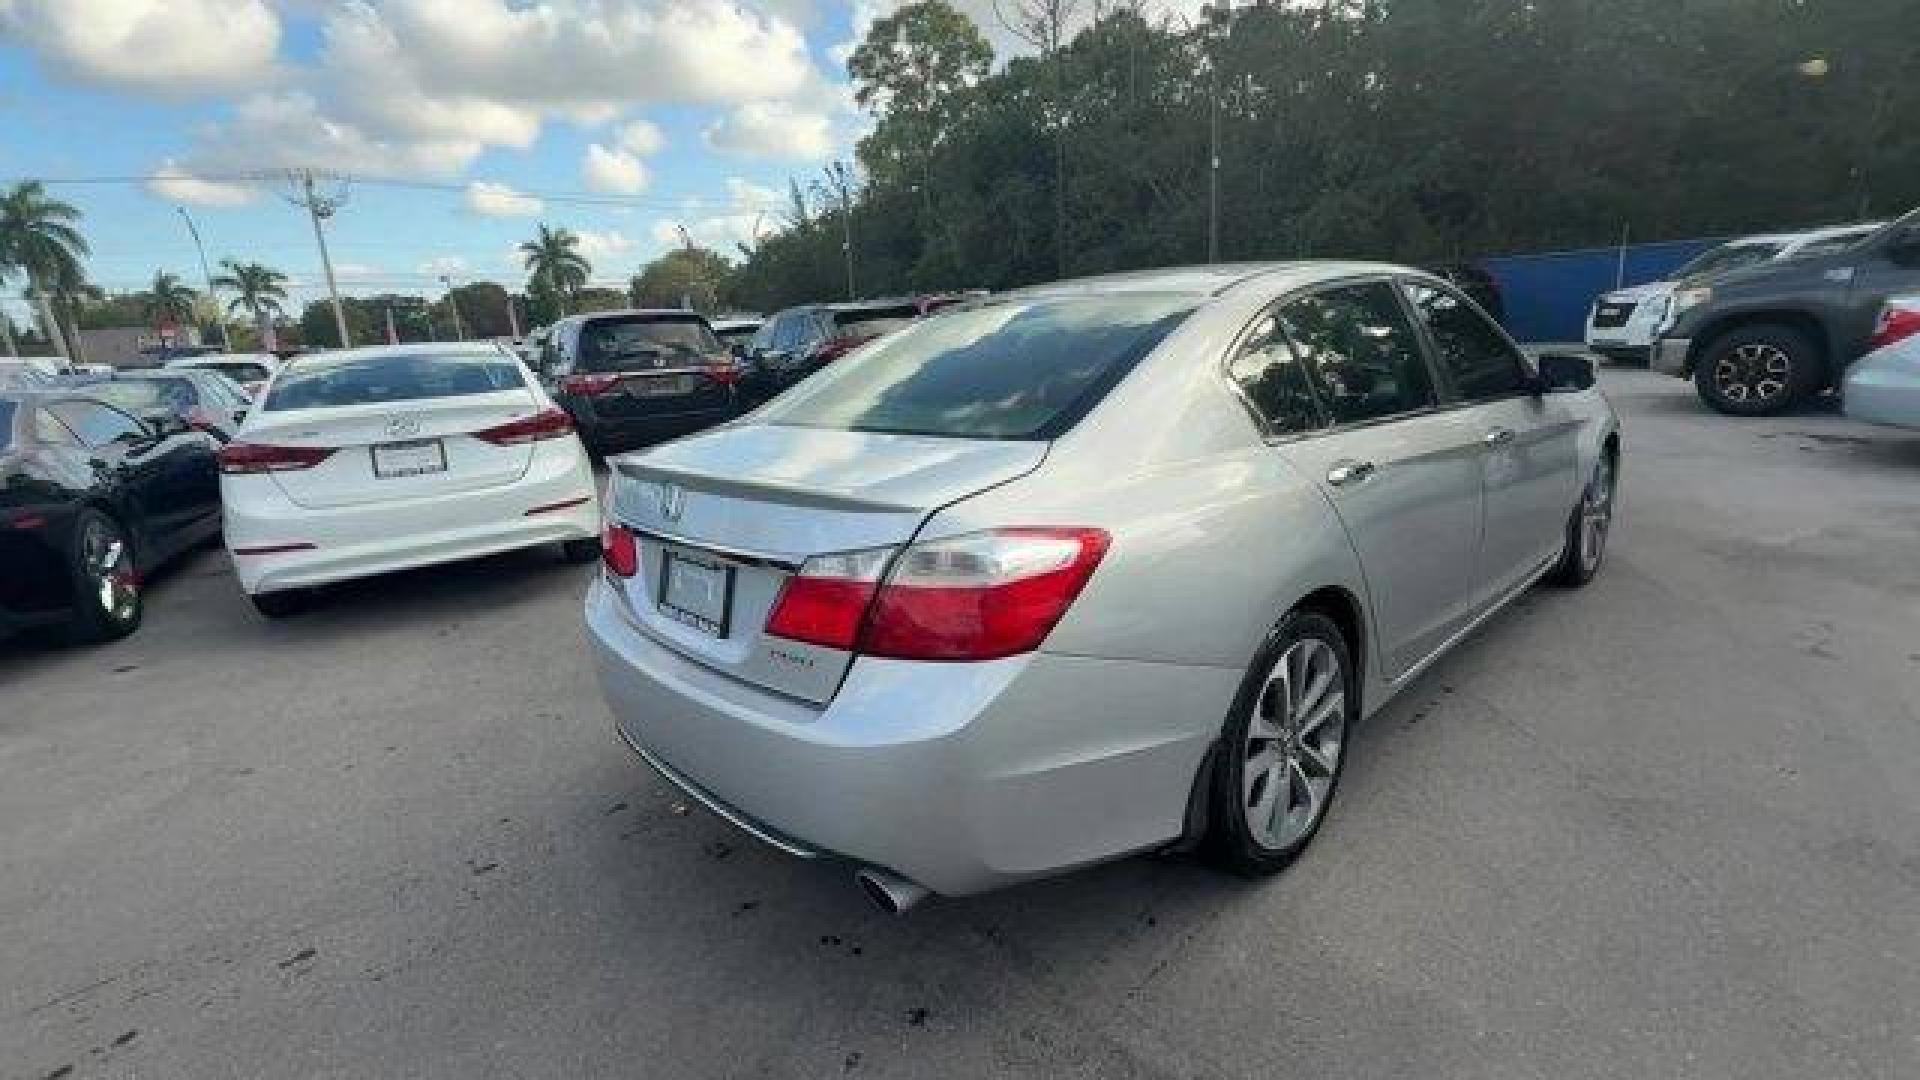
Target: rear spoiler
(637,468)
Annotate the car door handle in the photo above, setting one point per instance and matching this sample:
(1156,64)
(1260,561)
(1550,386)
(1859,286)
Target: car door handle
(1348,471)
(1498,437)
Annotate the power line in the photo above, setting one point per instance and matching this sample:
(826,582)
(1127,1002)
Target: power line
(570,198)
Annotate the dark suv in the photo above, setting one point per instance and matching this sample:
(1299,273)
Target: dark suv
(1759,340)
(633,377)
(801,340)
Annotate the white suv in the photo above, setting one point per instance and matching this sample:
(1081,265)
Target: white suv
(1624,324)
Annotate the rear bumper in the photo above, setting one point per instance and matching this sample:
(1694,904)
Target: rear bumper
(351,542)
(1670,356)
(1883,393)
(627,432)
(961,777)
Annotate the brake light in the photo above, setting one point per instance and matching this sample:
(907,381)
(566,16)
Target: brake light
(1896,324)
(835,348)
(981,596)
(620,550)
(725,372)
(243,457)
(546,424)
(589,385)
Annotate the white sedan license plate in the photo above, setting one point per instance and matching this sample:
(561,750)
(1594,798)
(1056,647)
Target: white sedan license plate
(695,592)
(415,458)
(655,386)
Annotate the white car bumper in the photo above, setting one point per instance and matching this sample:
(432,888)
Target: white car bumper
(277,544)
(1884,388)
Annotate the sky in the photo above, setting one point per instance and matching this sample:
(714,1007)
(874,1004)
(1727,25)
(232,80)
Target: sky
(451,127)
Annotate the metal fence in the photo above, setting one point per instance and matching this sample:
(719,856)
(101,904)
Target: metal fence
(1547,294)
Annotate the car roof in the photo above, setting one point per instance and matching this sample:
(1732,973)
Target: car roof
(1220,278)
(411,348)
(623,313)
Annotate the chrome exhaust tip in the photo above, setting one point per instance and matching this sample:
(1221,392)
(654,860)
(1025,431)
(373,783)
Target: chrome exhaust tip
(890,893)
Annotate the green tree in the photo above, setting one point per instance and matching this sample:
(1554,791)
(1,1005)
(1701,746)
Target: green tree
(687,276)
(38,236)
(168,299)
(554,261)
(258,290)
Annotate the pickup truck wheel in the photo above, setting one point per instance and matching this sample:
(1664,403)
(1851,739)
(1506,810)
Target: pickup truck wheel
(1757,370)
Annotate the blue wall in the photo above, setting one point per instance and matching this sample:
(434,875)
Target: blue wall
(1547,295)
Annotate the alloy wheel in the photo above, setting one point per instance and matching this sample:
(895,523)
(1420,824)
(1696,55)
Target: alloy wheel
(107,562)
(1596,514)
(1293,745)
(1753,373)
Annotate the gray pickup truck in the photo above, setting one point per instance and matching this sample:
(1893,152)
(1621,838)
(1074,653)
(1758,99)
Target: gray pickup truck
(1758,340)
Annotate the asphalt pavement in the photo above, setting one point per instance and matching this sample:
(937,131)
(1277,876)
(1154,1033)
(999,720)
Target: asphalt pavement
(1667,826)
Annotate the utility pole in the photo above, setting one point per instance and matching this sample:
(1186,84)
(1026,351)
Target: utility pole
(453,305)
(513,316)
(840,177)
(319,207)
(219,317)
(1219,16)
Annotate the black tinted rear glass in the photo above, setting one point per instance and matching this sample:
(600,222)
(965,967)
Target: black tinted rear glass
(320,381)
(645,341)
(6,423)
(1020,369)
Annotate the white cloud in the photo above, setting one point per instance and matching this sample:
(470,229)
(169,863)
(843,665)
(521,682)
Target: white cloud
(613,171)
(499,200)
(173,48)
(751,211)
(641,138)
(611,244)
(444,266)
(773,129)
(175,184)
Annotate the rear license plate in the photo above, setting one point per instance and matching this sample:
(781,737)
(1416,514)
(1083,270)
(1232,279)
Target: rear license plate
(659,386)
(695,592)
(415,458)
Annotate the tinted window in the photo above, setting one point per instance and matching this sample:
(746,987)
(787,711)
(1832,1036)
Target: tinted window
(645,341)
(1014,370)
(735,336)
(140,396)
(1271,377)
(6,423)
(1476,357)
(1728,257)
(1359,351)
(872,322)
(48,429)
(240,371)
(1828,244)
(321,381)
(96,424)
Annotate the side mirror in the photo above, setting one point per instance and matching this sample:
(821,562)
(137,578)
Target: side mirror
(1565,373)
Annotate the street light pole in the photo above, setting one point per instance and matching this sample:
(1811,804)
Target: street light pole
(453,305)
(207,274)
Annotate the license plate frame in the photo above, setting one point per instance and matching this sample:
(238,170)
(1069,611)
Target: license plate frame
(422,464)
(710,577)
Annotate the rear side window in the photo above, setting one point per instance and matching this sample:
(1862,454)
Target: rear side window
(322,381)
(1274,381)
(872,322)
(1360,353)
(1014,370)
(1476,356)
(645,341)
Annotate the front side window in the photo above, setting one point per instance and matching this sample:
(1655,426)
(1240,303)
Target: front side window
(1476,357)
(1019,369)
(97,424)
(321,381)
(1273,380)
(1360,353)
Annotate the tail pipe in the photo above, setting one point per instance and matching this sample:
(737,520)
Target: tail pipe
(889,892)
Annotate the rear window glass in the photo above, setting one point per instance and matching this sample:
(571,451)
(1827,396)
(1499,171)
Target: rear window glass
(245,373)
(645,341)
(873,322)
(321,381)
(737,335)
(145,395)
(1013,370)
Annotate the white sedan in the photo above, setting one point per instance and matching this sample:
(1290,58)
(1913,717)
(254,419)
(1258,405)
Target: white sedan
(363,461)
(1883,387)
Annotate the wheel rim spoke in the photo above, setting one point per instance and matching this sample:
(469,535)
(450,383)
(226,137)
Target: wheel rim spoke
(1293,745)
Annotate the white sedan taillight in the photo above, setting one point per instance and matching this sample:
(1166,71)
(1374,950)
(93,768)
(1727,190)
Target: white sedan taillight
(245,457)
(981,596)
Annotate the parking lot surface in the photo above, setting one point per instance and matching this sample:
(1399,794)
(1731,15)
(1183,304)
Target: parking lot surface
(1664,827)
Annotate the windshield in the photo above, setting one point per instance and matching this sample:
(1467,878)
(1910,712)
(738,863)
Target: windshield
(645,341)
(321,381)
(1729,257)
(147,395)
(873,322)
(1013,370)
(239,371)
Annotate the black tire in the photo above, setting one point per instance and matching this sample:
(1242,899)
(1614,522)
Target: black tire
(104,580)
(580,552)
(1231,840)
(1758,370)
(282,605)
(1589,526)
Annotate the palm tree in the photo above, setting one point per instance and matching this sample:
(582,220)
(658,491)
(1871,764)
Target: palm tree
(552,260)
(6,324)
(258,290)
(37,235)
(169,299)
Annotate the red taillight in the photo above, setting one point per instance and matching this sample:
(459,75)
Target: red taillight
(835,348)
(549,424)
(242,457)
(981,596)
(1896,324)
(620,550)
(725,372)
(589,385)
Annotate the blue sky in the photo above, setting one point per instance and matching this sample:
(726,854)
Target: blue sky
(691,112)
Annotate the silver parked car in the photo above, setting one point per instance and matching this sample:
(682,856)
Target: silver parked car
(1090,568)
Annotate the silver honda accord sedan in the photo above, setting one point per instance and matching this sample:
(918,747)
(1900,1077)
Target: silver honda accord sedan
(1090,568)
